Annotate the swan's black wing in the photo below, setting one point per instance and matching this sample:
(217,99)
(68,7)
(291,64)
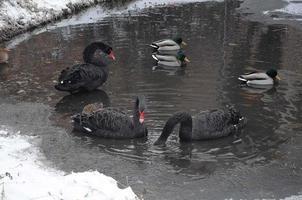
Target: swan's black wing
(212,124)
(82,76)
(108,123)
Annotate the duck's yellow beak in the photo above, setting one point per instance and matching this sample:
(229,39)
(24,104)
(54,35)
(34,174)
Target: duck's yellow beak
(278,78)
(183,43)
(187,60)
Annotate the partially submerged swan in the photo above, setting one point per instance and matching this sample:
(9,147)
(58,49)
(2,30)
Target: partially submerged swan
(89,75)
(270,77)
(205,125)
(111,122)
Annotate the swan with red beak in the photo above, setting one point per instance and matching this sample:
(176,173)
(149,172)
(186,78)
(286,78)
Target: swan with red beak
(89,75)
(112,122)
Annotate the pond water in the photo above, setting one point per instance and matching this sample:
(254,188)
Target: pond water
(256,163)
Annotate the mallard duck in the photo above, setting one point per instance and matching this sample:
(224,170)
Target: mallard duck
(4,55)
(112,122)
(205,125)
(260,78)
(89,75)
(168,46)
(170,61)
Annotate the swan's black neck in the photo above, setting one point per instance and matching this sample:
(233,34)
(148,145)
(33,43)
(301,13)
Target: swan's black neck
(88,54)
(138,107)
(185,130)
(136,112)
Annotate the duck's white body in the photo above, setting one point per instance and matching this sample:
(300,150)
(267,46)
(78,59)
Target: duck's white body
(164,42)
(166,46)
(167,60)
(258,78)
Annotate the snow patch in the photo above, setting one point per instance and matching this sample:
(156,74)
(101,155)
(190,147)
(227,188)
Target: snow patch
(293,7)
(17,15)
(23,176)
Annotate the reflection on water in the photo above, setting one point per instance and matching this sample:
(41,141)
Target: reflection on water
(220,46)
(74,103)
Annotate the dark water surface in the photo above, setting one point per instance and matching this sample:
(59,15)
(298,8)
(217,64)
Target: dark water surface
(263,161)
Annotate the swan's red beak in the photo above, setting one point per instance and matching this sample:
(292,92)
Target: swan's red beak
(141,117)
(111,55)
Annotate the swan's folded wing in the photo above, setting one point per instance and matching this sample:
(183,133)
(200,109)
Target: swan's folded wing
(81,73)
(217,120)
(110,120)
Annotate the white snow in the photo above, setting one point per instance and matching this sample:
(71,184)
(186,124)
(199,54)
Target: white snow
(21,14)
(97,13)
(23,176)
(17,15)
(294,7)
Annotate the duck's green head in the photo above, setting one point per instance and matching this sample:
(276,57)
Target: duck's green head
(179,41)
(182,57)
(273,74)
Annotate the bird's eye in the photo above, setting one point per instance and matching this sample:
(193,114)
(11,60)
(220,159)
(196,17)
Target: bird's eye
(62,82)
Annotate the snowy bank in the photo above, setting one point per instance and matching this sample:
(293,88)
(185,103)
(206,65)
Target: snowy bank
(23,176)
(17,16)
(293,9)
(20,15)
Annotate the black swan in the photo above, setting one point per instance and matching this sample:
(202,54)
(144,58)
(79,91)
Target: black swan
(89,75)
(205,125)
(111,122)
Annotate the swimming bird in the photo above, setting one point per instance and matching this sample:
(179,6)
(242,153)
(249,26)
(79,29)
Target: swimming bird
(171,61)
(4,55)
(168,46)
(90,74)
(260,78)
(112,122)
(205,125)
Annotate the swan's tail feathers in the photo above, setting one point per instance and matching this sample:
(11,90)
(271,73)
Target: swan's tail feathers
(185,128)
(236,118)
(77,121)
(70,80)
(81,123)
